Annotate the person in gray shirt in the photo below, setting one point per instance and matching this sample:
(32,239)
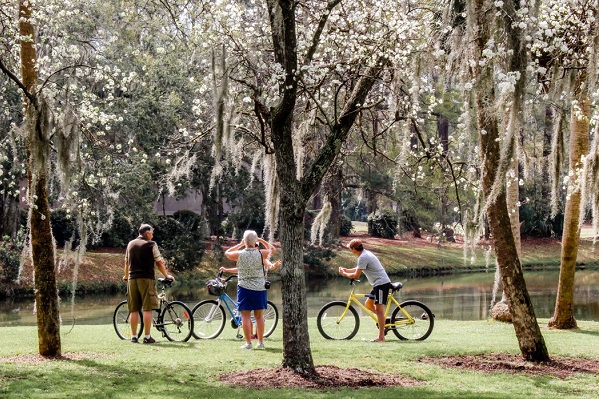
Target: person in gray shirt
(374,271)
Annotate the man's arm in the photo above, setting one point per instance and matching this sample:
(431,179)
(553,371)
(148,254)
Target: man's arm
(126,276)
(159,261)
(354,273)
(162,268)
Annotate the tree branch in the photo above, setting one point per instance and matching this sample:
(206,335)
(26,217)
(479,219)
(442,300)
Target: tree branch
(339,132)
(321,24)
(17,81)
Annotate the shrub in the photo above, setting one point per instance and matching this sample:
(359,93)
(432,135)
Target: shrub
(345,226)
(314,258)
(191,220)
(382,224)
(10,256)
(63,228)
(181,248)
(119,234)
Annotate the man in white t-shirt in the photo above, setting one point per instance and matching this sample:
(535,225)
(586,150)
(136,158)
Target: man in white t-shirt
(377,277)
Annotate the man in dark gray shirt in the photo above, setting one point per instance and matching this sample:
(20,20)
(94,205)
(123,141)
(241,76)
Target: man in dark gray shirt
(140,259)
(377,277)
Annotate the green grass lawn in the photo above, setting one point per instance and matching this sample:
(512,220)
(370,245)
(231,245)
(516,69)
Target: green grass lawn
(111,368)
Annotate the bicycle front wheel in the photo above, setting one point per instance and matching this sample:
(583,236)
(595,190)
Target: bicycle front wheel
(208,319)
(422,325)
(176,321)
(330,324)
(271,318)
(120,321)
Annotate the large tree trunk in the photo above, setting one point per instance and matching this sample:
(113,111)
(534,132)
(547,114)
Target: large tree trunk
(531,342)
(297,354)
(563,316)
(38,151)
(294,192)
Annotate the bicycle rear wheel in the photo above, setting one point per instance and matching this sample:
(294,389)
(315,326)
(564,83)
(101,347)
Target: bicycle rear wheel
(208,319)
(176,321)
(421,328)
(331,327)
(120,321)
(271,318)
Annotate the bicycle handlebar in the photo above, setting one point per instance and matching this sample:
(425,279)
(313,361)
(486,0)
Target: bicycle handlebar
(165,281)
(220,277)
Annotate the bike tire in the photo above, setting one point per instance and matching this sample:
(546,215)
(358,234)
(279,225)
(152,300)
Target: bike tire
(329,315)
(204,325)
(120,321)
(271,319)
(424,321)
(176,321)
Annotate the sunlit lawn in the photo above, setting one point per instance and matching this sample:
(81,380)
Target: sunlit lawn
(111,368)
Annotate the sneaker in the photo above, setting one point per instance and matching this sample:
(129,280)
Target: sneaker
(149,340)
(260,345)
(134,340)
(246,346)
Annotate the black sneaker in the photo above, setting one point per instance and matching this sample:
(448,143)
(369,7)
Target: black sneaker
(134,340)
(149,340)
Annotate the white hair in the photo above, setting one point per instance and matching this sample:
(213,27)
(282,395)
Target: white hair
(250,237)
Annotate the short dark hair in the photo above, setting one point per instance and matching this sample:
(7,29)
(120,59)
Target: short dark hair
(144,228)
(356,244)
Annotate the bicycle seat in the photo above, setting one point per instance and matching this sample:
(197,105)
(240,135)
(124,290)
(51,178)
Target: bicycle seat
(165,281)
(396,286)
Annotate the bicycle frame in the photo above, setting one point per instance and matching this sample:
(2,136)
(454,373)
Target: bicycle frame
(172,318)
(353,298)
(223,307)
(230,305)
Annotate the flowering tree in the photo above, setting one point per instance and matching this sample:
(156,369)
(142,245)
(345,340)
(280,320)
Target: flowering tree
(495,152)
(304,71)
(565,48)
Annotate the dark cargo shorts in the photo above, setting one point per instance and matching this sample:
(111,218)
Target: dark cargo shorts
(141,295)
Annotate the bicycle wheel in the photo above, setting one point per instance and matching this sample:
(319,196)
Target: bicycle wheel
(331,327)
(421,328)
(271,318)
(120,321)
(208,319)
(176,321)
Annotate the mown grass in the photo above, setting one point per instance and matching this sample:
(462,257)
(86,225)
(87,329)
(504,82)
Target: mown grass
(111,368)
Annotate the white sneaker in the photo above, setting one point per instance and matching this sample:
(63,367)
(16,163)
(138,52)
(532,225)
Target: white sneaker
(260,345)
(247,346)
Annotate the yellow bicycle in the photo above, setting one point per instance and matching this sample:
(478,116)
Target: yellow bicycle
(409,320)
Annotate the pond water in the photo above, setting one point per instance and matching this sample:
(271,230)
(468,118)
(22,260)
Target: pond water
(456,297)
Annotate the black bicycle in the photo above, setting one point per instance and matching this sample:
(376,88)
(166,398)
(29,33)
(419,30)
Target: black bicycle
(173,318)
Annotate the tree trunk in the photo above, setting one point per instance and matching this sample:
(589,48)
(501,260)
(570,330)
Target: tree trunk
(332,185)
(531,342)
(9,209)
(294,192)
(563,316)
(297,354)
(38,151)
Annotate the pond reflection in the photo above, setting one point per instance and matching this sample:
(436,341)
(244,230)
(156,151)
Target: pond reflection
(457,297)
